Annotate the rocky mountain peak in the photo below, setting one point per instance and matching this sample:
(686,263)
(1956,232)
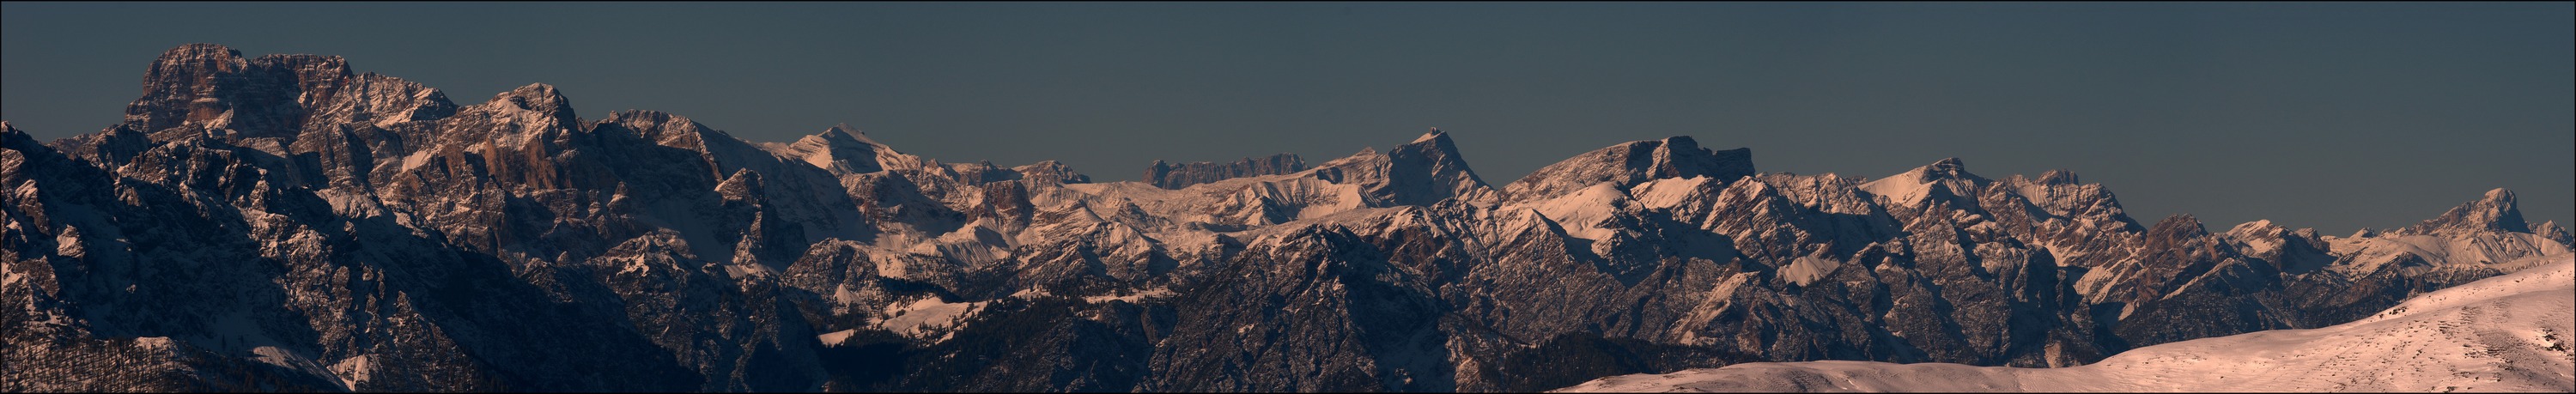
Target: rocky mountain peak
(1050,171)
(842,133)
(185,85)
(1947,178)
(196,59)
(666,129)
(540,98)
(1435,134)
(2181,226)
(10,132)
(1631,163)
(2495,211)
(839,136)
(310,71)
(2057,177)
(846,150)
(2257,227)
(14,139)
(210,91)
(1947,168)
(1432,164)
(1680,143)
(1433,144)
(203,84)
(2552,231)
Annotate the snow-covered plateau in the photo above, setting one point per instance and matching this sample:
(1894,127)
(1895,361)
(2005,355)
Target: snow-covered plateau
(2511,333)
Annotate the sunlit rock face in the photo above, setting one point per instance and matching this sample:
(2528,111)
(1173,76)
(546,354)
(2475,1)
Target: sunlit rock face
(284,223)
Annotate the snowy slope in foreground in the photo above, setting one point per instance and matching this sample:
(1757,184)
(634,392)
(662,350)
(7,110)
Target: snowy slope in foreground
(2507,333)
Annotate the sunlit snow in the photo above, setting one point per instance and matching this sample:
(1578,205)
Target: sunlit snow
(2507,333)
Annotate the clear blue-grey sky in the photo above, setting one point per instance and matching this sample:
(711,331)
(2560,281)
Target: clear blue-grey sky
(2335,116)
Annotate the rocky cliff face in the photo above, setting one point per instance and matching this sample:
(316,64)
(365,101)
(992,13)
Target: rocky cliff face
(282,223)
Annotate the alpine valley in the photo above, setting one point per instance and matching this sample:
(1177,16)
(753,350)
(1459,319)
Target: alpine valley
(284,223)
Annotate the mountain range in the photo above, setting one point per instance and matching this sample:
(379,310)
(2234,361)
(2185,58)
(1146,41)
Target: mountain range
(286,223)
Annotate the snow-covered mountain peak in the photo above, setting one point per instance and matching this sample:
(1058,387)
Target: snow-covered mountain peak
(1051,172)
(1630,163)
(1946,168)
(2495,211)
(843,133)
(839,136)
(1435,141)
(1430,169)
(663,127)
(1947,178)
(540,98)
(845,150)
(2552,231)
(2263,226)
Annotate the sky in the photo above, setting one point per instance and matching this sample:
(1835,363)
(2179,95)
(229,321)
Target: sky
(2332,116)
